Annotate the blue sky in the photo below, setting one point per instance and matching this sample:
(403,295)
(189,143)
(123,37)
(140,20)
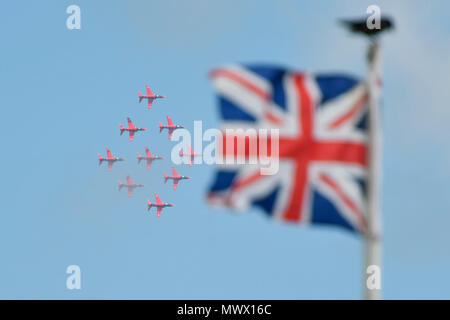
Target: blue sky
(64,93)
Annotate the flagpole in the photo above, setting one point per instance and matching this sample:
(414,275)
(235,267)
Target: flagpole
(371,28)
(372,265)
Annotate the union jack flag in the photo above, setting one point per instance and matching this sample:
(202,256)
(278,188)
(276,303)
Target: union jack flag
(322,144)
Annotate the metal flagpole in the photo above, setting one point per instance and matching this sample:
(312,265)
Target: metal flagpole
(372,266)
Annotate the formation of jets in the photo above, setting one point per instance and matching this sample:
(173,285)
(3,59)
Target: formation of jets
(129,184)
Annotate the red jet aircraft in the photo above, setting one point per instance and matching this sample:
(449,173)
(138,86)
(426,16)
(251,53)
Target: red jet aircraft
(148,156)
(190,154)
(171,127)
(130,184)
(131,129)
(159,205)
(175,177)
(150,97)
(110,158)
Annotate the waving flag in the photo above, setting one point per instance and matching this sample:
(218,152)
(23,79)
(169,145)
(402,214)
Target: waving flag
(322,144)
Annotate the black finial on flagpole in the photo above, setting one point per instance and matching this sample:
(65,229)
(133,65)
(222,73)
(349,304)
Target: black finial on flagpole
(360,26)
